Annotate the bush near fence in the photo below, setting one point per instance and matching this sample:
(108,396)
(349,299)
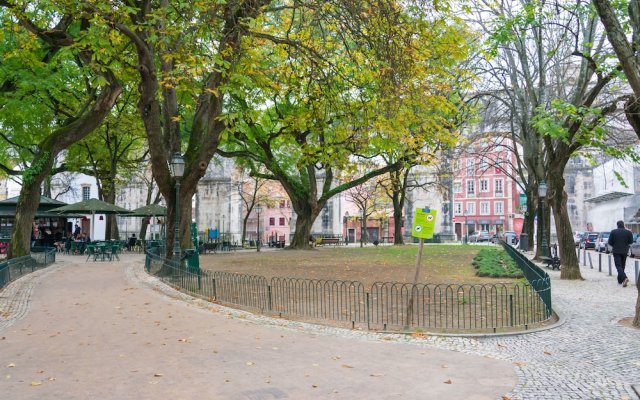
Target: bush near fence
(446,308)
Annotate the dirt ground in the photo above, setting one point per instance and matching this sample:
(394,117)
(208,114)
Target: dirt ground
(440,264)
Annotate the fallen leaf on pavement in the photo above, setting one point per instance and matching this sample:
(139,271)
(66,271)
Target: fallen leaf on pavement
(36,383)
(346,366)
(157,375)
(12,365)
(448,382)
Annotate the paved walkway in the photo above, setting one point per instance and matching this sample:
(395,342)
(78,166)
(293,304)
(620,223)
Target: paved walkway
(108,331)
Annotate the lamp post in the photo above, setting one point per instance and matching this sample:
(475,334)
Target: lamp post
(542,193)
(177,171)
(346,227)
(258,210)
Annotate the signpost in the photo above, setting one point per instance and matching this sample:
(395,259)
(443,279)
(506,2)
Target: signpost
(424,223)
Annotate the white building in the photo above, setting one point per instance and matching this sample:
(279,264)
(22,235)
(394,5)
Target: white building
(612,200)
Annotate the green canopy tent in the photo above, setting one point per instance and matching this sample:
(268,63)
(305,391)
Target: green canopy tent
(150,210)
(93,207)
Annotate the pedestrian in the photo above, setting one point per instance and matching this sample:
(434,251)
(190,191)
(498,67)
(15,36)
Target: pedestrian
(76,231)
(620,239)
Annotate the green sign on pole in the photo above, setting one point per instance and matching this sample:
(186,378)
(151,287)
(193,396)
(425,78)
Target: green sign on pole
(424,223)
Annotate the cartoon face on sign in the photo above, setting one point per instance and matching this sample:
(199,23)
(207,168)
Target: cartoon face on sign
(424,223)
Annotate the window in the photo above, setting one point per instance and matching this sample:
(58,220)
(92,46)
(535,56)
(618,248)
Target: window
(457,208)
(281,221)
(484,185)
(283,203)
(471,187)
(470,168)
(484,208)
(272,221)
(457,187)
(499,210)
(498,186)
(471,208)
(484,165)
(86,193)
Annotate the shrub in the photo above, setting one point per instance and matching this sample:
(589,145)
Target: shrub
(496,263)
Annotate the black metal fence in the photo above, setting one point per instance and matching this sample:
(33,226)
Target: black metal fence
(385,306)
(12,269)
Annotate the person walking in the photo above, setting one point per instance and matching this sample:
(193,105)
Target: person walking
(620,239)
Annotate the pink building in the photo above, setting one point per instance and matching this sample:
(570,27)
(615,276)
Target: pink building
(484,191)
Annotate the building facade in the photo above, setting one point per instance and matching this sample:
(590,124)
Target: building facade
(484,191)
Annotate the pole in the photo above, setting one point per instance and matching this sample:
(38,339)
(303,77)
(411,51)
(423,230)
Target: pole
(413,287)
(258,240)
(544,232)
(362,231)
(176,238)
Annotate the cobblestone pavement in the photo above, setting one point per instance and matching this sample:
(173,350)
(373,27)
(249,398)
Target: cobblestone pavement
(589,356)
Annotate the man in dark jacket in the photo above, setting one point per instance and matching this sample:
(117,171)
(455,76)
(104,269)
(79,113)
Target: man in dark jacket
(620,239)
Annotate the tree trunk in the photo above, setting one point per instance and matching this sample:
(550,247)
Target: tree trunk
(25,212)
(397,228)
(303,231)
(245,220)
(558,200)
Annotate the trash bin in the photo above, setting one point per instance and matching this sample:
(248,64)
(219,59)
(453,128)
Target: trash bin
(524,242)
(193,260)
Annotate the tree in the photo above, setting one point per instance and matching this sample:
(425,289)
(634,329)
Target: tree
(551,71)
(627,53)
(112,153)
(324,99)
(626,49)
(56,88)
(252,192)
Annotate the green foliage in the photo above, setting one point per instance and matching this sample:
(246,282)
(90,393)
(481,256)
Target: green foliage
(495,263)
(36,168)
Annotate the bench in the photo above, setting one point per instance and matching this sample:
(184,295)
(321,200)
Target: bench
(552,262)
(333,241)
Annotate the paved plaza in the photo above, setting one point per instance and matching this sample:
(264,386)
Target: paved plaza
(103,330)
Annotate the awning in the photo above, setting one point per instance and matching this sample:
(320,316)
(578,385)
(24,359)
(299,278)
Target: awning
(607,197)
(484,222)
(498,222)
(471,222)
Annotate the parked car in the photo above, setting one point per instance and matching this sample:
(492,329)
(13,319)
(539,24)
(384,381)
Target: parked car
(577,237)
(589,240)
(634,249)
(479,236)
(602,243)
(511,237)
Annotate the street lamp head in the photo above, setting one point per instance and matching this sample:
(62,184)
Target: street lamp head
(346,214)
(542,189)
(258,208)
(177,165)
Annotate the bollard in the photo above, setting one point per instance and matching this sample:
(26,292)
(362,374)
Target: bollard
(637,265)
(590,262)
(609,258)
(600,261)
(584,257)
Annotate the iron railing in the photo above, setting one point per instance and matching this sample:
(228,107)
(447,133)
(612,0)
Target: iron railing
(12,269)
(466,308)
(537,278)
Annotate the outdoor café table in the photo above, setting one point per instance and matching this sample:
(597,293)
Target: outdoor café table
(101,250)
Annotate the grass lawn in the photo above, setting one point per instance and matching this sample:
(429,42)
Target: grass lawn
(440,264)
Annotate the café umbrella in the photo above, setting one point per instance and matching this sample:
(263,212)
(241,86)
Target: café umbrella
(149,211)
(93,207)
